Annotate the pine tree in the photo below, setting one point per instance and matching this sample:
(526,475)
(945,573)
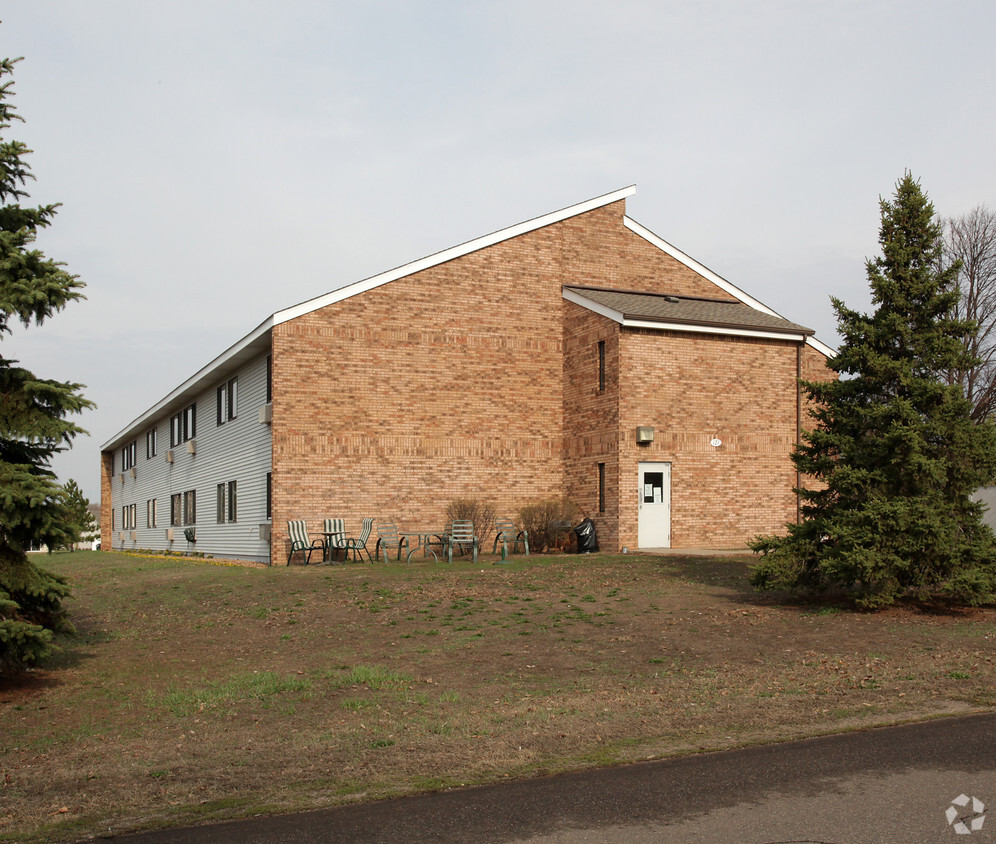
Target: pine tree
(84,524)
(33,411)
(894,452)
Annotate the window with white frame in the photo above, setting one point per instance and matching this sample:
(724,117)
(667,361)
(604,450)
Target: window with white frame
(150,443)
(150,513)
(228,401)
(176,509)
(190,507)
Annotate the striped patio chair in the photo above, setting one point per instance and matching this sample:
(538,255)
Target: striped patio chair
(300,541)
(358,544)
(335,543)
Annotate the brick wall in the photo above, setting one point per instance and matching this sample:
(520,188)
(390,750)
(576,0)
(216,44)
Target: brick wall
(106,504)
(475,379)
(693,388)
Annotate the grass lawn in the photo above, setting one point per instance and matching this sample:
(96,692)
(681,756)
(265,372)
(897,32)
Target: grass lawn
(196,691)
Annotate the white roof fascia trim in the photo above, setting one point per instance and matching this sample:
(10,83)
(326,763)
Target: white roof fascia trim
(602,310)
(448,255)
(711,329)
(718,280)
(618,316)
(192,381)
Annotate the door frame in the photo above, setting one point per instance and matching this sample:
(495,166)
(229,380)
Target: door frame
(653,531)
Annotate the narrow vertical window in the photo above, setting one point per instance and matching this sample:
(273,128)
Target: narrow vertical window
(269,495)
(190,507)
(220,503)
(150,444)
(232,501)
(222,405)
(601,487)
(601,366)
(174,509)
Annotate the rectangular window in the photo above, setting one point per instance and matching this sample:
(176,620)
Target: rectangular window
(228,401)
(129,517)
(601,366)
(220,503)
(232,501)
(128,456)
(175,510)
(269,495)
(113,520)
(150,513)
(601,487)
(150,443)
(183,426)
(190,507)
(134,516)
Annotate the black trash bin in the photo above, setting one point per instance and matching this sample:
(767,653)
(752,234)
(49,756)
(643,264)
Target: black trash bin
(587,541)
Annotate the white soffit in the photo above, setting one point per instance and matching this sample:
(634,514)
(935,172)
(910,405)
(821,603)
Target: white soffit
(718,280)
(449,254)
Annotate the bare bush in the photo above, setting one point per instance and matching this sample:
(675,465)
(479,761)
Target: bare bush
(545,520)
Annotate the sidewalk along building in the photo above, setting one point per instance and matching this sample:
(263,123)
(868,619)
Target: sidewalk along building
(576,355)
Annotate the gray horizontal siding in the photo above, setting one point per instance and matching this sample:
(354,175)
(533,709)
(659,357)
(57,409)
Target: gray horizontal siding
(240,450)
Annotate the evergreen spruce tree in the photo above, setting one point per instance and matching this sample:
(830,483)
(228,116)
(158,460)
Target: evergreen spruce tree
(33,416)
(894,454)
(84,525)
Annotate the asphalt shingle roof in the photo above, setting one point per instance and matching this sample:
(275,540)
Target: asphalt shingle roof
(687,310)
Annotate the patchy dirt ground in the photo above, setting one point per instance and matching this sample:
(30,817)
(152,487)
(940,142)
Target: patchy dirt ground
(198,691)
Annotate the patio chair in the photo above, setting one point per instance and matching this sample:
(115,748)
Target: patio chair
(334,544)
(300,541)
(358,544)
(508,534)
(461,534)
(387,537)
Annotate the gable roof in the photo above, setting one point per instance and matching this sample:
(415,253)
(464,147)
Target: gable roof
(258,339)
(684,313)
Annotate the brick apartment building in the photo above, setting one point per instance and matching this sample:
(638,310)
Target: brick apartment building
(575,355)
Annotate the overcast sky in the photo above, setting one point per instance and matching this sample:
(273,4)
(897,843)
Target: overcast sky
(220,160)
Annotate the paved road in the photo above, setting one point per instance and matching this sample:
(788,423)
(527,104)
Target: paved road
(888,785)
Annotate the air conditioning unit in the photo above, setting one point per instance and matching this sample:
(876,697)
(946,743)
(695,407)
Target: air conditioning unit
(134,535)
(131,471)
(169,456)
(191,447)
(121,536)
(122,477)
(645,434)
(264,532)
(169,534)
(266,414)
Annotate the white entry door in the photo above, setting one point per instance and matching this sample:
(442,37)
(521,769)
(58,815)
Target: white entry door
(655,505)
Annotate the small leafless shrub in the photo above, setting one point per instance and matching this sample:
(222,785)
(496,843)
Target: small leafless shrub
(545,522)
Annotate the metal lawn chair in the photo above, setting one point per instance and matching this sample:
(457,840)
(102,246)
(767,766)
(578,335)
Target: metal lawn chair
(461,535)
(509,535)
(387,537)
